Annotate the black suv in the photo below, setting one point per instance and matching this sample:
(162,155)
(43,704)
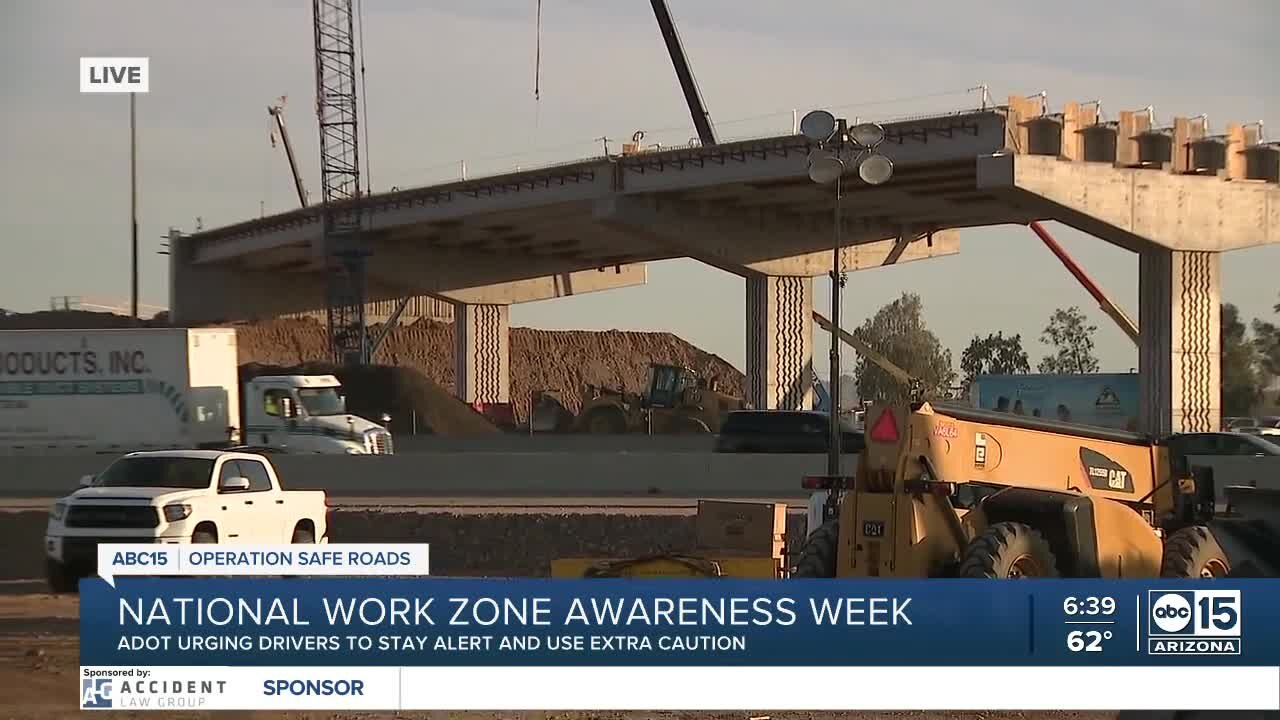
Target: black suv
(783,431)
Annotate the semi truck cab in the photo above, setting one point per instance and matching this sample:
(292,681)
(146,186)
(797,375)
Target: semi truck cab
(307,413)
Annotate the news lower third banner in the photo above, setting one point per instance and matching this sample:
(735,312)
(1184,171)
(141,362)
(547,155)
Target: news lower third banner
(427,643)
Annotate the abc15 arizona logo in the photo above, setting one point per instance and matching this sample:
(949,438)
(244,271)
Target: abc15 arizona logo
(1193,622)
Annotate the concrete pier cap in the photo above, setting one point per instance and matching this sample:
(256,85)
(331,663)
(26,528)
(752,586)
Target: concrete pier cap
(1177,196)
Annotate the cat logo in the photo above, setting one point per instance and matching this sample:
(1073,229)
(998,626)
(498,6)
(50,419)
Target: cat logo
(1104,473)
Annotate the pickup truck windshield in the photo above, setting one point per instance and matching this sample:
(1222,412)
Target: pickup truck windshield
(167,472)
(323,401)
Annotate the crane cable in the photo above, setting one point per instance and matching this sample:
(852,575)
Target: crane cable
(537,71)
(364,99)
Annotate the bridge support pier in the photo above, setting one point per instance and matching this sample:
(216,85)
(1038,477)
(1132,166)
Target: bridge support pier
(482,352)
(1179,361)
(779,342)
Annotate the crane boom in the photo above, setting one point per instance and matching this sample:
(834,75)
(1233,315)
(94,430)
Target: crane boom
(692,96)
(277,112)
(1109,307)
(867,351)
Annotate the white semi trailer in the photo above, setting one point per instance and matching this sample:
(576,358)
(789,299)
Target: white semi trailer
(110,391)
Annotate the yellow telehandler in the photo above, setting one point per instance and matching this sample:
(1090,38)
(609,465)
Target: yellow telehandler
(955,491)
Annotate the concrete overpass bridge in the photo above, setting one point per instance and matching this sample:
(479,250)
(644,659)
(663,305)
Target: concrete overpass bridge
(1176,196)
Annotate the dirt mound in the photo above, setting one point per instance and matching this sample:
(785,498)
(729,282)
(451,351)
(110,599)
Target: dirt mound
(562,360)
(414,403)
(565,361)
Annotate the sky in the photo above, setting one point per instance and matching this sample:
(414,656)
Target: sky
(449,81)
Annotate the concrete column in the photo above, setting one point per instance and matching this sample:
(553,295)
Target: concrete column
(780,342)
(1179,362)
(482,353)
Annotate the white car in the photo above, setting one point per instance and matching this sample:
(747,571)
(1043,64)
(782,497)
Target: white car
(177,496)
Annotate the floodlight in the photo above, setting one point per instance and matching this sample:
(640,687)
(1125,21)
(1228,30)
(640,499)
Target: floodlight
(867,134)
(818,125)
(875,169)
(824,167)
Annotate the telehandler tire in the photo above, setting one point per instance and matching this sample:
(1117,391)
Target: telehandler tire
(1008,550)
(1192,552)
(818,555)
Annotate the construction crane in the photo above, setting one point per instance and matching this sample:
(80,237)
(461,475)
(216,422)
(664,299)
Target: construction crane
(692,96)
(345,250)
(276,112)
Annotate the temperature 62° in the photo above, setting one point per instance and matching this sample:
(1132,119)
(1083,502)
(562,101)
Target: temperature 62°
(1087,640)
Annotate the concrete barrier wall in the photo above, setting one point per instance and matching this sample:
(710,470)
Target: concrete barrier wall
(515,474)
(544,442)
(589,474)
(492,544)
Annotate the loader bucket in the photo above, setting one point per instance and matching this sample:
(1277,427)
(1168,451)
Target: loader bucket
(548,414)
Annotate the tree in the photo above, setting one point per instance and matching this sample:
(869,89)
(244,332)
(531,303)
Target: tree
(994,355)
(898,332)
(1266,344)
(1241,381)
(1071,336)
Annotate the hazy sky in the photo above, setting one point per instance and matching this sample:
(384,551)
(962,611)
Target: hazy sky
(453,80)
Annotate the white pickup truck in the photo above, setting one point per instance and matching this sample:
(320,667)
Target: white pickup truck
(177,496)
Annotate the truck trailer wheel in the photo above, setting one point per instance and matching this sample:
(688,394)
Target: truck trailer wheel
(60,577)
(818,555)
(1192,552)
(1008,550)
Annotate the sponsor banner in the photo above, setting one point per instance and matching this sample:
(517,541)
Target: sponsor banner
(422,622)
(818,688)
(178,689)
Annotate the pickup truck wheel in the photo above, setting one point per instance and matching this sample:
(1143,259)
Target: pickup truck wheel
(61,579)
(303,536)
(204,537)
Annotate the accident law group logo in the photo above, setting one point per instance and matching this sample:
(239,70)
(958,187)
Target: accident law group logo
(96,694)
(1193,622)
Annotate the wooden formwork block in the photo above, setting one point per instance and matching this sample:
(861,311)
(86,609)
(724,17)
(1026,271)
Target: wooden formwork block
(1075,118)
(1020,110)
(1181,145)
(1130,125)
(1237,165)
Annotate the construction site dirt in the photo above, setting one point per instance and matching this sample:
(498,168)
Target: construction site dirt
(419,385)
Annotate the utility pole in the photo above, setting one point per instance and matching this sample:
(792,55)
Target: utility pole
(133,200)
